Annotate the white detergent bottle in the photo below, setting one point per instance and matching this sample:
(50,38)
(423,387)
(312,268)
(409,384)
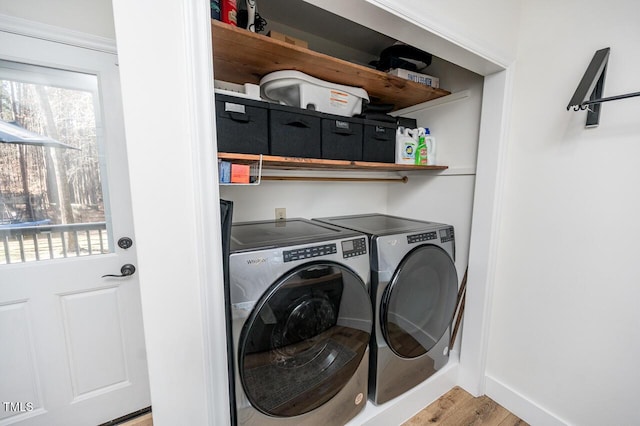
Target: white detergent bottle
(430,142)
(405,146)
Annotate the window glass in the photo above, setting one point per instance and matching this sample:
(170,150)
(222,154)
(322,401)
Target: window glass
(52,199)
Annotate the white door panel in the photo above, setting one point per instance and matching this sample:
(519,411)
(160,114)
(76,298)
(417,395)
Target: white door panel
(72,342)
(19,369)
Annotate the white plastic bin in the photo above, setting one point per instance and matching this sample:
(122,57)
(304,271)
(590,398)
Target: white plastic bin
(298,89)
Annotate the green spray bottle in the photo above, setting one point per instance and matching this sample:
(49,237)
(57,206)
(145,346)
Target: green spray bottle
(421,148)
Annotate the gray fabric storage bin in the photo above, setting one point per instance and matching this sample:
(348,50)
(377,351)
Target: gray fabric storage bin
(379,142)
(242,125)
(341,138)
(294,132)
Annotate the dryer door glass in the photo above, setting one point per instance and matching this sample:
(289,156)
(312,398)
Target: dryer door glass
(304,339)
(418,304)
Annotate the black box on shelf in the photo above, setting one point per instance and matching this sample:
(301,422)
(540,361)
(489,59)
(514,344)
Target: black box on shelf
(294,132)
(379,142)
(242,125)
(341,138)
(406,122)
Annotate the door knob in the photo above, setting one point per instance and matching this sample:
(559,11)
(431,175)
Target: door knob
(125,271)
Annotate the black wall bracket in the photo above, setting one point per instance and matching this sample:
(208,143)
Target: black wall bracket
(592,85)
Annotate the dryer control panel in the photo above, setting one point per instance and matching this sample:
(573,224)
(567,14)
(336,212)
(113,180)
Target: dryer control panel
(309,252)
(446,235)
(351,248)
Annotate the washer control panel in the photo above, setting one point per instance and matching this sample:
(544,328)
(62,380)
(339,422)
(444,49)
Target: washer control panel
(420,238)
(309,252)
(351,248)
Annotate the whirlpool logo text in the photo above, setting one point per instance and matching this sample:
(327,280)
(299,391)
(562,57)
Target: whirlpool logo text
(256,261)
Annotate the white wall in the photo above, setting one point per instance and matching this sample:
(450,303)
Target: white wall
(306,199)
(463,43)
(565,328)
(92,17)
(454,123)
(486,27)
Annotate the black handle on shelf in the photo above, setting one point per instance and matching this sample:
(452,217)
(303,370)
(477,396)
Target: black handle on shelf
(341,131)
(341,127)
(297,123)
(126,270)
(380,134)
(239,117)
(381,137)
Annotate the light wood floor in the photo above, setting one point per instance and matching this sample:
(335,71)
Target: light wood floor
(145,420)
(455,408)
(459,408)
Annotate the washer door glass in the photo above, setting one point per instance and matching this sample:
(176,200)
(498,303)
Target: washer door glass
(304,339)
(418,304)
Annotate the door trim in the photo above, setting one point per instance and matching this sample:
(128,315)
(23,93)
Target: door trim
(202,127)
(24,27)
(175,130)
(485,228)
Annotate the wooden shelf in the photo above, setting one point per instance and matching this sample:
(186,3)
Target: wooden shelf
(240,56)
(292,163)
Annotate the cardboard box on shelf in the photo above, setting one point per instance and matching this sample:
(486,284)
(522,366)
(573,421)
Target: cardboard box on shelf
(425,79)
(240,173)
(224,168)
(287,39)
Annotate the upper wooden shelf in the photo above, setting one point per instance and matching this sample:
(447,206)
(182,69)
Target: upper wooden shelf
(240,56)
(294,163)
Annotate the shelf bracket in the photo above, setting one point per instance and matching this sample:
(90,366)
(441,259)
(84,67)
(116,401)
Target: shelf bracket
(592,85)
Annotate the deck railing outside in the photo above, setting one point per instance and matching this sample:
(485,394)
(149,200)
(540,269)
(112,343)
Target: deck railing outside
(33,243)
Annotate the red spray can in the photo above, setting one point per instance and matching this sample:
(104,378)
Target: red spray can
(229,11)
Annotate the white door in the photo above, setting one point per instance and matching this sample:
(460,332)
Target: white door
(71,341)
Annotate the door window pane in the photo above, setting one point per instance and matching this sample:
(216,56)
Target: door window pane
(52,195)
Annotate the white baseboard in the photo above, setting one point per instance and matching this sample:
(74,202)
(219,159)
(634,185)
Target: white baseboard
(519,405)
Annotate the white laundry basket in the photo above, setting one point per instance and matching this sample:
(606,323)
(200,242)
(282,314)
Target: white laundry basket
(298,89)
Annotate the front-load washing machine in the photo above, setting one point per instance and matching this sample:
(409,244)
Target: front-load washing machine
(414,287)
(301,322)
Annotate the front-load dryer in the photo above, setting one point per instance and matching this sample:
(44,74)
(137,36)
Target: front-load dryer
(414,287)
(301,322)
